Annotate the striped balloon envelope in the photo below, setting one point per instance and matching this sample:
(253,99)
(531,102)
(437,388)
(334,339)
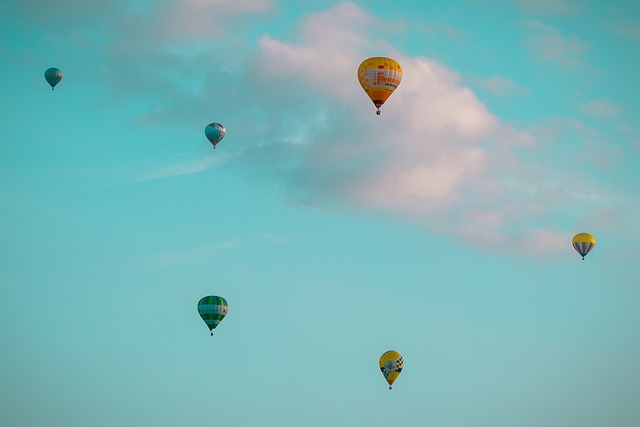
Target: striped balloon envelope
(391,364)
(379,77)
(583,243)
(212,309)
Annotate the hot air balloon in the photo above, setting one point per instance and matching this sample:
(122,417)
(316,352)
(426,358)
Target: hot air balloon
(53,76)
(379,77)
(391,364)
(583,243)
(215,132)
(212,309)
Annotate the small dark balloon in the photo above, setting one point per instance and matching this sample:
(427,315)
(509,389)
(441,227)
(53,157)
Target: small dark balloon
(214,133)
(53,76)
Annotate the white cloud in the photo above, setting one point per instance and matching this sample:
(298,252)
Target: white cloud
(627,29)
(585,146)
(599,108)
(207,251)
(499,86)
(550,7)
(195,254)
(182,168)
(187,19)
(549,44)
(329,44)
(436,154)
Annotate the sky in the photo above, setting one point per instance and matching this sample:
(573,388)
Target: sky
(440,229)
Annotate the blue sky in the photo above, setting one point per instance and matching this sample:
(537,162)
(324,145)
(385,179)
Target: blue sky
(441,229)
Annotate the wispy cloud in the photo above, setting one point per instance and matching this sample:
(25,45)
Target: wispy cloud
(182,168)
(195,254)
(585,146)
(550,7)
(128,176)
(436,159)
(437,155)
(206,251)
(625,28)
(599,108)
(500,86)
(549,44)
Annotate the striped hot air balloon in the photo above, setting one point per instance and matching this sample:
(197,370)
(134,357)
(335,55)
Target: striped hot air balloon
(212,309)
(583,243)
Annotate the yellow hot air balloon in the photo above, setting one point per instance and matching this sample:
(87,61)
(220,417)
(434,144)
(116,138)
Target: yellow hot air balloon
(583,243)
(379,77)
(391,364)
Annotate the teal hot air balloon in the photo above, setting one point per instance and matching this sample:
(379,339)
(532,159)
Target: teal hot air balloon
(214,133)
(212,309)
(53,76)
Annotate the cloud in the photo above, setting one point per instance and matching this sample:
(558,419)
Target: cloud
(550,7)
(581,144)
(537,241)
(183,168)
(441,28)
(549,44)
(200,19)
(168,50)
(499,86)
(627,29)
(436,155)
(207,251)
(599,108)
(195,254)
(129,175)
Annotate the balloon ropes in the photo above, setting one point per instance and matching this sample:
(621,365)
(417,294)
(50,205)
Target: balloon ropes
(583,243)
(391,364)
(53,76)
(379,77)
(214,133)
(212,309)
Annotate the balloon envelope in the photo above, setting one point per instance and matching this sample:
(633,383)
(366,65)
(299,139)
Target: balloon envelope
(391,364)
(53,76)
(583,243)
(212,309)
(215,132)
(379,77)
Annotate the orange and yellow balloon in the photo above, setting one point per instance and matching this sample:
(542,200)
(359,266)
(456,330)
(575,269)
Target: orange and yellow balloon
(391,364)
(583,243)
(379,77)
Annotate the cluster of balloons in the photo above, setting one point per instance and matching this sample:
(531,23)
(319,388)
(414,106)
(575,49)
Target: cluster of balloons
(379,77)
